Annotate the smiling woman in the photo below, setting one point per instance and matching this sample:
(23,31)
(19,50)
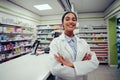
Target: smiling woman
(69,23)
(71,56)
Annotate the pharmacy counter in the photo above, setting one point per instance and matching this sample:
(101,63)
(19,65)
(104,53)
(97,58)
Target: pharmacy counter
(27,67)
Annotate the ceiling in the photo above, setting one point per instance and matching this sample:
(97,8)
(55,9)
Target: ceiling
(80,6)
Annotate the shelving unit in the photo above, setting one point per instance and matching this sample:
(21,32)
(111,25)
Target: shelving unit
(118,41)
(96,36)
(14,41)
(45,33)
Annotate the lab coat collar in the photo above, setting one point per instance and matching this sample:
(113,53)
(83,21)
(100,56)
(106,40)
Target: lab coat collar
(67,47)
(62,37)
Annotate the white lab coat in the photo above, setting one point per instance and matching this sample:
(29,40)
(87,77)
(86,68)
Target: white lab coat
(61,46)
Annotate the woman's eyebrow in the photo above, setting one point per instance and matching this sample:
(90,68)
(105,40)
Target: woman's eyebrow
(67,17)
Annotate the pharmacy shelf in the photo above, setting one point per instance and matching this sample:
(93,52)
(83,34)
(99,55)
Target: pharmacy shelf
(118,40)
(45,33)
(96,36)
(89,31)
(15,40)
(93,36)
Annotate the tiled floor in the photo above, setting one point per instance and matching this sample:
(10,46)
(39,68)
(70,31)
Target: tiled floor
(104,72)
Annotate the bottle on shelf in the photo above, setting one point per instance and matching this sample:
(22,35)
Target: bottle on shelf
(96,36)
(14,41)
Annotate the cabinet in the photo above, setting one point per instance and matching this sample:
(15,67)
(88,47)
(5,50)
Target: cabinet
(96,36)
(14,41)
(45,33)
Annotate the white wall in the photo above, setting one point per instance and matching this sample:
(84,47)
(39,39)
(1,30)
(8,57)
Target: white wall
(91,19)
(95,19)
(8,7)
(12,14)
(53,19)
(83,19)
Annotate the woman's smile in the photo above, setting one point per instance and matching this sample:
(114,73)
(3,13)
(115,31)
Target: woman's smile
(71,25)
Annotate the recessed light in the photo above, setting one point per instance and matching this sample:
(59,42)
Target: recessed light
(42,7)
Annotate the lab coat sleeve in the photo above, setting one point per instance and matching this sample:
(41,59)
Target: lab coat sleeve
(64,72)
(58,69)
(83,67)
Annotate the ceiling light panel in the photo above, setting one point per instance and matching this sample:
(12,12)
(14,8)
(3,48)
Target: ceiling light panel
(43,7)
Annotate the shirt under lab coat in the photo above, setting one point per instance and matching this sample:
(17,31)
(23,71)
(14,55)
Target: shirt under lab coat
(61,46)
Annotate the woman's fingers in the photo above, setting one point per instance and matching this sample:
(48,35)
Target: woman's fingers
(61,60)
(87,57)
(58,57)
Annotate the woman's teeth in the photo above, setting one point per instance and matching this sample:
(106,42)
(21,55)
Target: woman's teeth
(71,25)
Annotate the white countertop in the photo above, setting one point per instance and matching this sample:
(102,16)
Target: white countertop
(27,67)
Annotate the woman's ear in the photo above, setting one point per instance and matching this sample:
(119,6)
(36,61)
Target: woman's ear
(63,26)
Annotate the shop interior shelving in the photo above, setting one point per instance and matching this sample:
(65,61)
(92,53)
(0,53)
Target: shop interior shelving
(14,41)
(96,36)
(118,40)
(45,33)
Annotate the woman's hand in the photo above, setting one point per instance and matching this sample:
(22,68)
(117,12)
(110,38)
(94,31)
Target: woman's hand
(61,60)
(87,57)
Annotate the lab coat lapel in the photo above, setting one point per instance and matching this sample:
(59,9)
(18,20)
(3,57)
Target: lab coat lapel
(69,49)
(67,46)
(80,50)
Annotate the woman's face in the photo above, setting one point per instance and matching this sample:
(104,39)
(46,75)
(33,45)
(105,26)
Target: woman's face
(69,22)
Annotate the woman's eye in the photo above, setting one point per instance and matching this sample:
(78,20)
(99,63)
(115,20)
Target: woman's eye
(67,19)
(74,19)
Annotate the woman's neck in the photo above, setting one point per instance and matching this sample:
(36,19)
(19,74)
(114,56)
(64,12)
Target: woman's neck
(69,33)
